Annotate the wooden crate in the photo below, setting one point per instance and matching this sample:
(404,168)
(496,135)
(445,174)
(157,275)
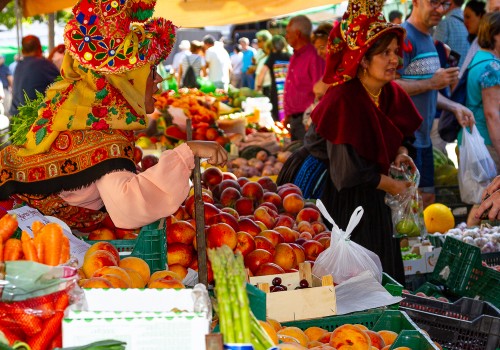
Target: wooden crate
(298,304)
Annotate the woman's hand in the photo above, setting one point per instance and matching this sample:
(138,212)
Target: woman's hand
(403,158)
(491,203)
(392,186)
(492,187)
(215,153)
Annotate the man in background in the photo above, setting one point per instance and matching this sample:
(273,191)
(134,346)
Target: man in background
(217,61)
(185,50)
(33,73)
(305,69)
(6,79)
(396,17)
(247,68)
(13,65)
(452,31)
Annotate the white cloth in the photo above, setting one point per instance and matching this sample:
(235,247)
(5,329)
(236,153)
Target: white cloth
(218,63)
(237,62)
(178,58)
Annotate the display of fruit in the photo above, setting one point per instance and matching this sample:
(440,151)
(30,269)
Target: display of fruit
(259,164)
(486,237)
(445,173)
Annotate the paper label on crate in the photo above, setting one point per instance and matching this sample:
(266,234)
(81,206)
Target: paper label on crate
(27,215)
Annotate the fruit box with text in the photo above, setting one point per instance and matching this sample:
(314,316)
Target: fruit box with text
(425,264)
(143,318)
(296,303)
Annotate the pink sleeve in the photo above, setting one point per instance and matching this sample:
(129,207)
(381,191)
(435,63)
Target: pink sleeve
(135,200)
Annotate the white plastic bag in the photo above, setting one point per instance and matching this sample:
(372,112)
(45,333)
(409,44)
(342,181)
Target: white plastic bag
(344,258)
(476,168)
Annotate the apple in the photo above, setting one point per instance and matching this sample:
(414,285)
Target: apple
(289,235)
(266,215)
(312,249)
(244,206)
(257,258)
(252,190)
(180,232)
(262,242)
(271,197)
(221,234)
(246,243)
(308,214)
(148,161)
(249,226)
(211,176)
(293,203)
(179,253)
(225,218)
(284,256)
(273,236)
(268,184)
(229,196)
(267,269)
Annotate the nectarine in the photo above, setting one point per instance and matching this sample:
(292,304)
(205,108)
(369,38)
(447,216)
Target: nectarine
(350,335)
(180,232)
(110,248)
(138,265)
(221,234)
(284,256)
(256,258)
(94,261)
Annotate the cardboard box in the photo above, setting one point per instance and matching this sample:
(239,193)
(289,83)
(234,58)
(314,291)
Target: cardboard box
(143,318)
(424,265)
(431,259)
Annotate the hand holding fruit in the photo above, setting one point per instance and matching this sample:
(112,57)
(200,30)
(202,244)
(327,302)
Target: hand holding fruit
(215,153)
(404,159)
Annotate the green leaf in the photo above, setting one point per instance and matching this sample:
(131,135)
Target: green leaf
(40,135)
(42,121)
(92,46)
(77,36)
(120,56)
(113,110)
(100,55)
(101,94)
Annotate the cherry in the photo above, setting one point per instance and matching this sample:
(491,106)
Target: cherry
(277,281)
(304,284)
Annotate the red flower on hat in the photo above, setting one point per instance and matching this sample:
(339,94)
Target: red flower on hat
(47,113)
(100,125)
(99,112)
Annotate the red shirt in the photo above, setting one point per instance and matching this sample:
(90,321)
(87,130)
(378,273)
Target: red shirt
(305,69)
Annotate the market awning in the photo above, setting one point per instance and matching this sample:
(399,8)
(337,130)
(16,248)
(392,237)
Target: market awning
(200,13)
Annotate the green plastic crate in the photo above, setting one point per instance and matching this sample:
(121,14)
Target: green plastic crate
(393,287)
(397,321)
(430,290)
(150,245)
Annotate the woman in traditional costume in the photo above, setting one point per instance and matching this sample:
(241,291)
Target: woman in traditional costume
(76,161)
(367,121)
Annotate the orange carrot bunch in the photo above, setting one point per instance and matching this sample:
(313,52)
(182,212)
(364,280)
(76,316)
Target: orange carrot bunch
(49,246)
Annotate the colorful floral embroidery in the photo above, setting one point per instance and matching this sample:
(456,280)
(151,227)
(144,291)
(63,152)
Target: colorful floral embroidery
(86,39)
(36,174)
(99,155)
(69,167)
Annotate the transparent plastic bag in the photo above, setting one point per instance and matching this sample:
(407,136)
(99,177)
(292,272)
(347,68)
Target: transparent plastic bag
(407,209)
(476,168)
(344,258)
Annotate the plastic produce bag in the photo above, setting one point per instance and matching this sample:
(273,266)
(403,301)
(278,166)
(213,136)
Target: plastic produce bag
(344,258)
(476,168)
(407,208)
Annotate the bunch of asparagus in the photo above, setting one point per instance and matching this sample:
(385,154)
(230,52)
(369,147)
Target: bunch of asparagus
(236,321)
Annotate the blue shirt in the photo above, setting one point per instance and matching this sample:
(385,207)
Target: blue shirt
(247,59)
(4,73)
(485,73)
(452,31)
(421,61)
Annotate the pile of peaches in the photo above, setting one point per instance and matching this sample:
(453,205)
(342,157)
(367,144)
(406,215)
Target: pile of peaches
(274,228)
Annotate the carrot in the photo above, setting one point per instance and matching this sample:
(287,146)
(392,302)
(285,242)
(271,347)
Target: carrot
(1,251)
(28,246)
(52,243)
(36,226)
(62,302)
(64,250)
(8,225)
(51,329)
(13,249)
(38,243)
(27,321)
(10,334)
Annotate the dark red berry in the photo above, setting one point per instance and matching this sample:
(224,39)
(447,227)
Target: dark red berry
(277,281)
(304,284)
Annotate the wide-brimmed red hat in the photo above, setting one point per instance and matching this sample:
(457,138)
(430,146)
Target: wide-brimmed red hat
(112,36)
(361,26)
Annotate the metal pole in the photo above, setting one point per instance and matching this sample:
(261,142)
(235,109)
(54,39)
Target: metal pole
(52,34)
(19,25)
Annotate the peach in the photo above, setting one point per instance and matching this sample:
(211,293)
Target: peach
(376,339)
(244,206)
(361,326)
(252,190)
(181,214)
(325,338)
(293,203)
(246,243)
(226,175)
(225,218)
(229,196)
(210,272)
(350,335)
(290,346)
(321,235)
(230,183)
(121,233)
(180,232)
(136,278)
(314,333)
(189,203)
(165,274)
(257,258)
(211,176)
(300,253)
(249,226)
(262,226)
(269,269)
(389,337)
(314,344)
(262,242)
(101,234)
(306,235)
(268,184)
(289,189)
(276,325)
(221,234)
(242,180)
(308,214)
(318,227)
(269,205)
(170,220)
(266,215)
(325,241)
(231,211)
(96,282)
(304,226)
(312,249)
(179,253)
(270,331)
(285,220)
(274,236)
(180,270)
(113,270)
(138,265)
(271,197)
(284,256)
(164,283)
(110,248)
(96,260)
(118,281)
(293,333)
(289,235)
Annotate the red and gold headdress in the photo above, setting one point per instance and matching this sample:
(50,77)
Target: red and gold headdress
(361,26)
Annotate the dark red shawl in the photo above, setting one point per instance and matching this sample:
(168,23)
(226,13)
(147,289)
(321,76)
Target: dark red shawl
(347,115)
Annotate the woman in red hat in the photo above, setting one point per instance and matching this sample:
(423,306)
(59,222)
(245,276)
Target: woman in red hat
(75,158)
(366,120)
